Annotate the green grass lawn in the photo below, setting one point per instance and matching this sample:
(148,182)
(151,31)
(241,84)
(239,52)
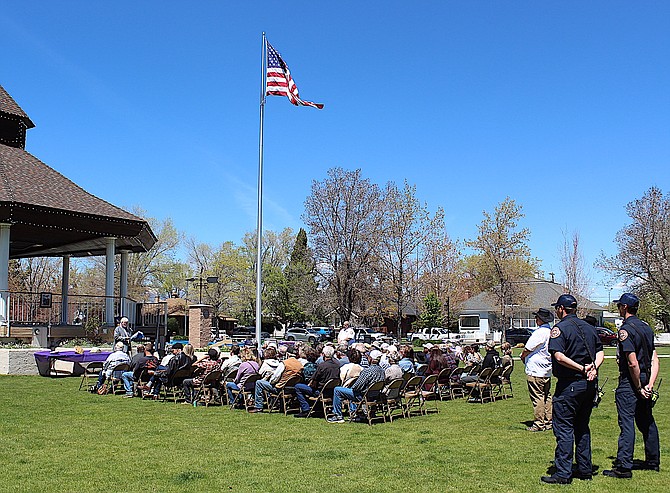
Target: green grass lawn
(55,438)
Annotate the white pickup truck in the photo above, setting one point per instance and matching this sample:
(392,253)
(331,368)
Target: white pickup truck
(430,334)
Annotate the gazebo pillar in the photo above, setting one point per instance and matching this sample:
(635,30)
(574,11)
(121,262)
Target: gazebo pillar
(4,274)
(65,289)
(123,284)
(109,281)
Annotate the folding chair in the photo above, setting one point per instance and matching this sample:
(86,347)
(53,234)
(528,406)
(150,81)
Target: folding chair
(173,386)
(325,397)
(245,392)
(210,383)
(482,385)
(506,382)
(91,373)
(115,383)
(284,397)
(411,395)
(393,398)
(421,369)
(444,384)
(229,376)
(496,383)
(372,399)
(455,384)
(428,392)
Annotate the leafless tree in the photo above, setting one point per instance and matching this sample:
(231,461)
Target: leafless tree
(407,224)
(343,214)
(575,274)
(643,260)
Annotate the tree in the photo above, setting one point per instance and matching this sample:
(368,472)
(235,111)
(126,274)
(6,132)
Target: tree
(575,275)
(431,315)
(406,225)
(343,214)
(643,258)
(442,271)
(503,260)
(302,287)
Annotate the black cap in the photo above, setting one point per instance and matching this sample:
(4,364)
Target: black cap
(544,315)
(566,301)
(178,345)
(628,299)
(591,320)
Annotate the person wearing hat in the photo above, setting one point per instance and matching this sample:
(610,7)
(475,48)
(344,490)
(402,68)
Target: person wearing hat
(576,354)
(371,374)
(536,357)
(179,361)
(638,369)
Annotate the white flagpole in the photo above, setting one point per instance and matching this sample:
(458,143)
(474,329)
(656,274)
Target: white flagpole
(259,224)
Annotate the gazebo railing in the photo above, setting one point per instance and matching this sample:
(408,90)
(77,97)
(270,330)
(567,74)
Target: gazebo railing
(27,308)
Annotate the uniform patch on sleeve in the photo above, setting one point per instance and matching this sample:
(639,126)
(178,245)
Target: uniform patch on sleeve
(623,335)
(555,332)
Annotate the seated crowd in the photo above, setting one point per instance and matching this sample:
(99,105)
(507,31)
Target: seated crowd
(349,370)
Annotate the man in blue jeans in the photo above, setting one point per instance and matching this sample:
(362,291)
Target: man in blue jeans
(327,370)
(137,363)
(370,375)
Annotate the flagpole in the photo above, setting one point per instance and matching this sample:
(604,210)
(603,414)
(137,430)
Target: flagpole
(259,224)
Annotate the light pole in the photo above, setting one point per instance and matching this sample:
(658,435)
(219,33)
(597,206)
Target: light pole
(201,280)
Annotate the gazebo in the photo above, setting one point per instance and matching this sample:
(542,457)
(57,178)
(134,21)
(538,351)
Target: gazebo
(42,213)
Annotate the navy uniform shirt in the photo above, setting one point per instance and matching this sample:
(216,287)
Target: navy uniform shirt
(567,339)
(631,335)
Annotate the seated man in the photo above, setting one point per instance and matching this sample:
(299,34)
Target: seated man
(233,361)
(202,368)
(118,357)
(179,361)
(327,370)
(371,374)
(285,370)
(143,359)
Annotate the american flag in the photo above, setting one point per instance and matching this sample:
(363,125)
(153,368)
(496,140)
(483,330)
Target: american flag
(279,81)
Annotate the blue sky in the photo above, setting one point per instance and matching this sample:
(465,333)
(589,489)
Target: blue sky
(563,106)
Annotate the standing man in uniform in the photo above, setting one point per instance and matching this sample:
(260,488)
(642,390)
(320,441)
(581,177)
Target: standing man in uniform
(576,355)
(638,369)
(536,357)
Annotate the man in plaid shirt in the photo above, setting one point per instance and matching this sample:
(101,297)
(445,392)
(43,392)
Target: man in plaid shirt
(372,374)
(201,368)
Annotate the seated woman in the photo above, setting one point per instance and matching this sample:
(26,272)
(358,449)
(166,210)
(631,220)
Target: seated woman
(353,368)
(248,367)
(189,351)
(406,358)
(506,351)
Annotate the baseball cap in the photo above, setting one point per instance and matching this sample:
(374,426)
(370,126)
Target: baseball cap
(375,354)
(428,345)
(628,299)
(178,345)
(490,344)
(566,300)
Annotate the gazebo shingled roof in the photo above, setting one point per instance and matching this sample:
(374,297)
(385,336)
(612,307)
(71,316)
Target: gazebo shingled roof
(50,215)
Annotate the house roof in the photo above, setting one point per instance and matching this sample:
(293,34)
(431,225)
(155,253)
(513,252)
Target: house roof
(542,294)
(48,213)
(9,106)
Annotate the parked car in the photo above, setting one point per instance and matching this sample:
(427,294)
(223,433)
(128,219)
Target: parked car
(248,333)
(305,335)
(327,332)
(364,334)
(517,336)
(607,337)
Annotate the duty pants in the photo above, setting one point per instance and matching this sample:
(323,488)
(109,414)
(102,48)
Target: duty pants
(633,410)
(572,406)
(540,397)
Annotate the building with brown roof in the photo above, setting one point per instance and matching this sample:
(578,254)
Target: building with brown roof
(43,213)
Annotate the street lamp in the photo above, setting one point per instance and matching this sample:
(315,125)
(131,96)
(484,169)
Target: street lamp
(201,281)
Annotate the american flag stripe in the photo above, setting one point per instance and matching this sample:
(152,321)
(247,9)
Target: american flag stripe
(279,81)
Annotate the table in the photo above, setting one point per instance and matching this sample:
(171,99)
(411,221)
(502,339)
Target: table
(46,360)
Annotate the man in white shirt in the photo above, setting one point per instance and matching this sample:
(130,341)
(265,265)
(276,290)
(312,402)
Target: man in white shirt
(537,359)
(346,335)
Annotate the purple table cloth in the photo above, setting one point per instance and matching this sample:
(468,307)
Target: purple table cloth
(45,359)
